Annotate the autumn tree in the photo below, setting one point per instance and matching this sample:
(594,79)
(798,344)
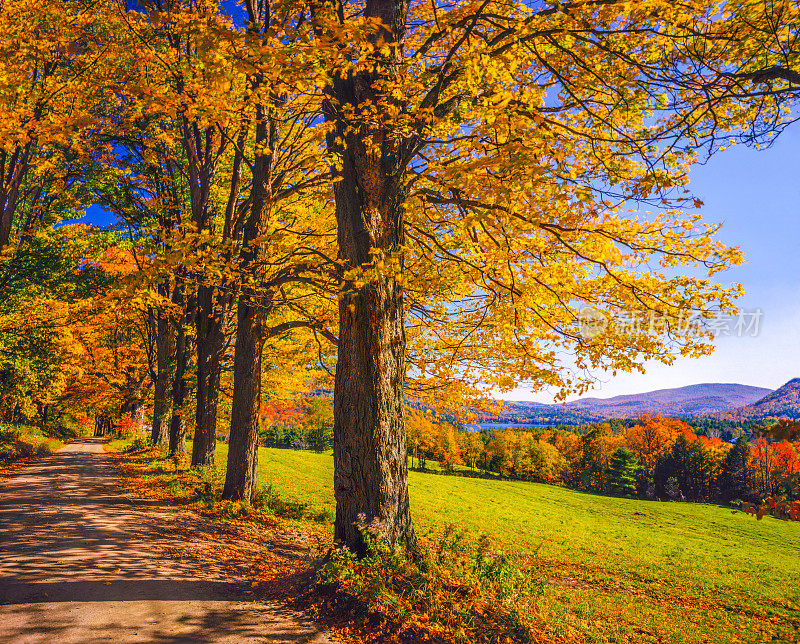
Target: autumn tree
(49,104)
(36,349)
(591,469)
(472,448)
(421,436)
(50,108)
(234,130)
(553,463)
(481,163)
(145,188)
(448,448)
(764,466)
(319,422)
(738,80)
(70,342)
(184,81)
(652,436)
(285,262)
(529,461)
(176,150)
(785,435)
(501,451)
(111,335)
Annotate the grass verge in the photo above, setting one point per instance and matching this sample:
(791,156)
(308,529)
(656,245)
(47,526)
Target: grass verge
(21,445)
(612,570)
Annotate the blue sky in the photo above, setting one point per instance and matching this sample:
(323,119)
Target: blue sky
(756,195)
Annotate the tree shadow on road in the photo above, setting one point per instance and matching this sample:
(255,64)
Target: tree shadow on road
(79,562)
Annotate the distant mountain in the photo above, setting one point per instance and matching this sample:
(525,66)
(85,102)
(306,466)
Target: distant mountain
(692,400)
(784,402)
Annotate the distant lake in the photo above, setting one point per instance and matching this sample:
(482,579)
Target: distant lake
(477,426)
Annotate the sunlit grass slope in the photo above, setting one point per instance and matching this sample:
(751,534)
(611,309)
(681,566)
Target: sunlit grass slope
(619,569)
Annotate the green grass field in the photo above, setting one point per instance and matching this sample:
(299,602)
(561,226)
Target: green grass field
(619,569)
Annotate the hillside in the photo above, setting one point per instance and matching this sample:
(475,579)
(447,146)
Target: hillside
(692,400)
(784,402)
(615,568)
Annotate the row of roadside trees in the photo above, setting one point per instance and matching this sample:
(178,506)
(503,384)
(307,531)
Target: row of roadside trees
(431,193)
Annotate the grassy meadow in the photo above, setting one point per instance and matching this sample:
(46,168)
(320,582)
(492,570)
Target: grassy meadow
(21,442)
(617,569)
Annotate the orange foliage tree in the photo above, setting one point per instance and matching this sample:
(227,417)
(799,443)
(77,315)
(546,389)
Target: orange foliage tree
(654,435)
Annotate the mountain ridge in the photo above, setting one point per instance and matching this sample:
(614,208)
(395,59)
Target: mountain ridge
(784,402)
(701,399)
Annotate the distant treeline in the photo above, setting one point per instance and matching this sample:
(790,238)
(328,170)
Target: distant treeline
(693,459)
(652,457)
(726,430)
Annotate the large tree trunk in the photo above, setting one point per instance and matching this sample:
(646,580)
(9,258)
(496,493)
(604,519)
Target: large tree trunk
(180,388)
(165,365)
(240,477)
(201,147)
(370,452)
(253,307)
(210,346)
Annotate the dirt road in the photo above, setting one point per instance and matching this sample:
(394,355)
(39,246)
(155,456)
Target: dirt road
(80,563)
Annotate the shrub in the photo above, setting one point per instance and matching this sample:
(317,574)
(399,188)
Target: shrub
(266,497)
(22,441)
(126,427)
(138,444)
(47,446)
(206,492)
(455,587)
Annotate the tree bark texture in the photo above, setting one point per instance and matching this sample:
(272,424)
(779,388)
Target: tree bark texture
(180,388)
(165,365)
(240,477)
(210,347)
(253,306)
(370,452)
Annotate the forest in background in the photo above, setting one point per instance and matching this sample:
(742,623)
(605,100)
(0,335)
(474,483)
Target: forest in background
(406,201)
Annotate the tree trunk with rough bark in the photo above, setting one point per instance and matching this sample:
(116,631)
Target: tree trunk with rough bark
(240,477)
(180,388)
(210,346)
(165,364)
(370,452)
(253,306)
